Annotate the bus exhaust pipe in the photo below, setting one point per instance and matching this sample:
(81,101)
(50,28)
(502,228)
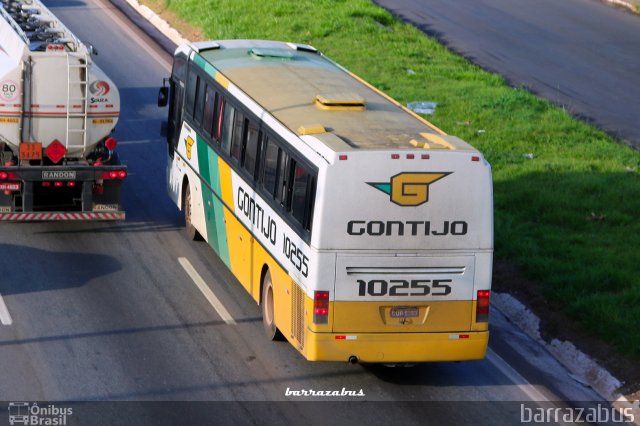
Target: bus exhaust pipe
(353,359)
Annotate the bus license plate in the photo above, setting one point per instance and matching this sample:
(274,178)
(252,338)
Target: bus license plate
(404,312)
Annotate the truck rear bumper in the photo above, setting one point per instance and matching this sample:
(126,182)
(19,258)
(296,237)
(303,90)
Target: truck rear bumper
(78,192)
(396,347)
(69,216)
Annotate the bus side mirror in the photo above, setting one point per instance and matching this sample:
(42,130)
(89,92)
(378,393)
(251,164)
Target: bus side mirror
(163,96)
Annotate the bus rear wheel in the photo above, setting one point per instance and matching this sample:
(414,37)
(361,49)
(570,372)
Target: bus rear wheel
(192,232)
(268,318)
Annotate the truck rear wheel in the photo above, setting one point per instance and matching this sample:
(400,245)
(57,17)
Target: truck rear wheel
(268,318)
(192,232)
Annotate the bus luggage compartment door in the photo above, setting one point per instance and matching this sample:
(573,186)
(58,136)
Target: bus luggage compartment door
(395,294)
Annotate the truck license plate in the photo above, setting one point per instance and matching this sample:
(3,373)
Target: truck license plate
(10,186)
(404,312)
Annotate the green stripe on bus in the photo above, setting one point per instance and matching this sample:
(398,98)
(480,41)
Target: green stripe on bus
(202,63)
(214,210)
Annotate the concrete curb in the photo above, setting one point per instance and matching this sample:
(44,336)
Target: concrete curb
(633,6)
(154,19)
(584,369)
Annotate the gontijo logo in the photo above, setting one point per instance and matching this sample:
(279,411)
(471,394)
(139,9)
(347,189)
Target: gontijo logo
(99,88)
(409,188)
(188,143)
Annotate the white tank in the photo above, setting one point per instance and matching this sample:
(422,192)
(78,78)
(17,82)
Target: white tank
(50,88)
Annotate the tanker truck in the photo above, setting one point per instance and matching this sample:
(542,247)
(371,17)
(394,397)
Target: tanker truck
(58,160)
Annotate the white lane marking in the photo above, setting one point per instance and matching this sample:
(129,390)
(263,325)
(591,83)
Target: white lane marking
(5,318)
(515,377)
(531,391)
(204,288)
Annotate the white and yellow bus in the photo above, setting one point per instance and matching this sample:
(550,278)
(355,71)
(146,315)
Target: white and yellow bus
(363,231)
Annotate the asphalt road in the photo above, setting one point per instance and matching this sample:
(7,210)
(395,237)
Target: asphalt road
(580,54)
(105,312)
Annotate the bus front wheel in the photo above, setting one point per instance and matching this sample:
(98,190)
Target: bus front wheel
(268,318)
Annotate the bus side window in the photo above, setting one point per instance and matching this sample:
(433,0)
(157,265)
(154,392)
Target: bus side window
(219,115)
(310,202)
(251,150)
(239,134)
(210,104)
(191,93)
(299,193)
(227,126)
(282,188)
(199,107)
(179,71)
(270,167)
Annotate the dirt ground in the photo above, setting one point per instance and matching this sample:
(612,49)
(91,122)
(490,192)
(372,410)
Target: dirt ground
(507,278)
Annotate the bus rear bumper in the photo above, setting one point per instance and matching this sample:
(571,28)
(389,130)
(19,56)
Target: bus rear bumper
(396,347)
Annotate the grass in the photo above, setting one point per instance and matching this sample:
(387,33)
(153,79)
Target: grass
(569,216)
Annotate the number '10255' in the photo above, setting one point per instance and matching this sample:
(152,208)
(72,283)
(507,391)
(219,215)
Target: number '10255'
(404,287)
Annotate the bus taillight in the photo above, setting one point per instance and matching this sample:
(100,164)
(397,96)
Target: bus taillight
(482,306)
(321,307)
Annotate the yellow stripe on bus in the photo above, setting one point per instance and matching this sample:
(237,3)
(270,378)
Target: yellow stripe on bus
(222,80)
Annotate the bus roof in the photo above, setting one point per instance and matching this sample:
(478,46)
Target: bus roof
(312,95)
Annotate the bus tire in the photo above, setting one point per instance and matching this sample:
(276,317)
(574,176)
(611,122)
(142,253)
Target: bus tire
(192,232)
(268,302)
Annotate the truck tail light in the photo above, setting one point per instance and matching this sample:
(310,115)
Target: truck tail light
(7,175)
(114,174)
(482,305)
(321,307)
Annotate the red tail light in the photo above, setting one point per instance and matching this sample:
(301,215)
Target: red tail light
(321,307)
(482,305)
(57,184)
(115,174)
(8,175)
(71,184)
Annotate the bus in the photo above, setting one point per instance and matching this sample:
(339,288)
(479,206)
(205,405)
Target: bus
(364,232)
